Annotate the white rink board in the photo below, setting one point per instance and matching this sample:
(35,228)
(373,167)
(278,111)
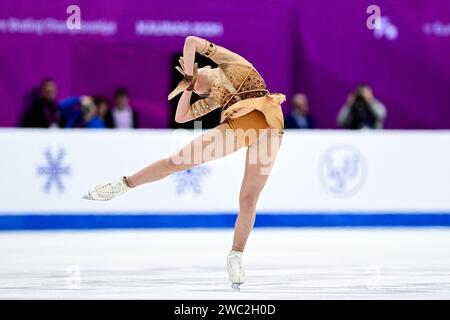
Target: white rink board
(386,171)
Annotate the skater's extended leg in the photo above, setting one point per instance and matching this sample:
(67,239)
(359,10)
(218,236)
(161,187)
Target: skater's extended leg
(214,144)
(210,146)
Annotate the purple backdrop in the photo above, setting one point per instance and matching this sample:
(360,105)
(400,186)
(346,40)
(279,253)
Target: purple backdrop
(320,47)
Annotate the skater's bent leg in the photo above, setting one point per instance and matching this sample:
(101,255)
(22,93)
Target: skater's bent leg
(214,144)
(257,170)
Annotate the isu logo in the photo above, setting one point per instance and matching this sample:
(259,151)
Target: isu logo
(342,170)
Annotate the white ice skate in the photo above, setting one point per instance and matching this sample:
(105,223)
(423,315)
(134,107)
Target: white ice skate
(235,269)
(108,191)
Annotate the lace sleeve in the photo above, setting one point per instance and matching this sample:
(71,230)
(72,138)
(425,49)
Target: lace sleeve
(203,106)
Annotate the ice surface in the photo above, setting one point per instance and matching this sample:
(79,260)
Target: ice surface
(190,264)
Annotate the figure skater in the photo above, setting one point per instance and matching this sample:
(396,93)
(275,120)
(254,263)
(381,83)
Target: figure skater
(251,117)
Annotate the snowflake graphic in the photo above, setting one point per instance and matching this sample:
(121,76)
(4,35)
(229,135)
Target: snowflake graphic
(191,179)
(53,170)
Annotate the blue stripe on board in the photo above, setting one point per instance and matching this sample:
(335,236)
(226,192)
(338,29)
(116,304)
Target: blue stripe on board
(222,220)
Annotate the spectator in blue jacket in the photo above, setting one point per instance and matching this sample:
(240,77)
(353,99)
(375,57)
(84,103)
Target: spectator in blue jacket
(80,112)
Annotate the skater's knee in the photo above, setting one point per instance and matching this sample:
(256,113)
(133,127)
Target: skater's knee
(175,163)
(247,200)
(172,164)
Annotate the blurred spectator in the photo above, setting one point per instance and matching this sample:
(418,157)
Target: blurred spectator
(122,115)
(362,110)
(80,112)
(44,111)
(299,117)
(102,109)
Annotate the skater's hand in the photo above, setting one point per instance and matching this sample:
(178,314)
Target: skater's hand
(190,79)
(188,82)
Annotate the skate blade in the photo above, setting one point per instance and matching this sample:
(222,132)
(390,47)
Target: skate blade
(90,197)
(87,197)
(236,286)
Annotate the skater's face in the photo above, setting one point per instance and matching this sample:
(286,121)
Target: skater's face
(202,84)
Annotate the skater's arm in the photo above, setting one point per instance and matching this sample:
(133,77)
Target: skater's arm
(187,112)
(213,51)
(191,46)
(183,113)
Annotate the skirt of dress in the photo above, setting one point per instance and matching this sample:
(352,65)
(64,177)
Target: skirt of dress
(254,115)
(248,128)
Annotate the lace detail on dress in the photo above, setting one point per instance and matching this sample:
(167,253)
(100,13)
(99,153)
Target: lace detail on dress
(236,82)
(247,80)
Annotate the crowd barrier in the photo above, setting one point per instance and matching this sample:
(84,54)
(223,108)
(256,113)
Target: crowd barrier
(320,179)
